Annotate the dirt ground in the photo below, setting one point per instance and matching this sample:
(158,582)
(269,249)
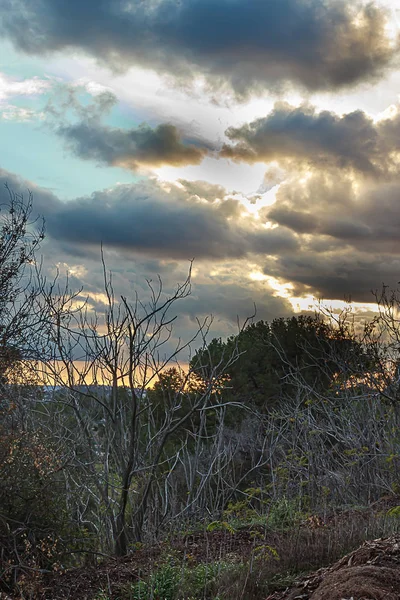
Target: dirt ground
(372,572)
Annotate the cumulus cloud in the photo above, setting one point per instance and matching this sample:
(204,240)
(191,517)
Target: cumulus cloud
(76,113)
(203,189)
(365,215)
(288,138)
(151,219)
(132,148)
(154,219)
(304,137)
(235,299)
(329,235)
(11,87)
(348,234)
(72,244)
(45,201)
(342,275)
(319,44)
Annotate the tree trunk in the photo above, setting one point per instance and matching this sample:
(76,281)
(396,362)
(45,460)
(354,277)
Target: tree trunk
(121,542)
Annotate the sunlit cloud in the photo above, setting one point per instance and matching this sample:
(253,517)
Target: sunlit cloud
(11,87)
(243,178)
(273,161)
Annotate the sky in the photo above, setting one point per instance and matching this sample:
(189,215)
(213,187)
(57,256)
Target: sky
(260,138)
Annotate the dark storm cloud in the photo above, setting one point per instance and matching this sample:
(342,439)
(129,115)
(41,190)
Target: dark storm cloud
(304,136)
(146,218)
(320,44)
(131,148)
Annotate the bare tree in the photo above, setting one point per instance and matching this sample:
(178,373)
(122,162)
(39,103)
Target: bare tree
(125,446)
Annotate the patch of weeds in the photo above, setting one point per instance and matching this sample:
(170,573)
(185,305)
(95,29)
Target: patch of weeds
(202,578)
(220,526)
(171,582)
(248,510)
(162,584)
(281,514)
(242,581)
(208,580)
(265,552)
(394,512)
(102,595)
(284,514)
(282,581)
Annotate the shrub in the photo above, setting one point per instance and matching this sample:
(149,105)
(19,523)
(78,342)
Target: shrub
(33,521)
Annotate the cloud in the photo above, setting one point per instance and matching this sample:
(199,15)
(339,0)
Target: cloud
(365,215)
(203,189)
(348,234)
(319,44)
(74,233)
(75,112)
(11,87)
(330,236)
(9,112)
(288,139)
(45,202)
(154,220)
(303,137)
(340,275)
(132,148)
(82,100)
(235,299)
(151,219)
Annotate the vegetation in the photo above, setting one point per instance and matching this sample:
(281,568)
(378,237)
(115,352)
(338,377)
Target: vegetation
(263,453)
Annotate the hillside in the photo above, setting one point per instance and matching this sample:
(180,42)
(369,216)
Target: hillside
(318,559)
